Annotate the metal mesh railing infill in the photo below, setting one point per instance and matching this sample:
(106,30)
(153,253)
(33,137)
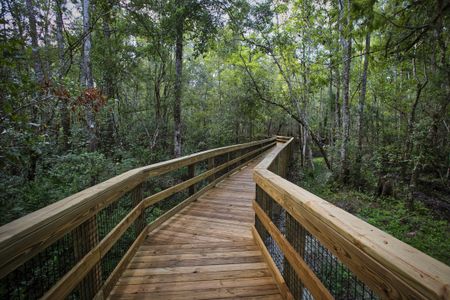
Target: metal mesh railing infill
(334,275)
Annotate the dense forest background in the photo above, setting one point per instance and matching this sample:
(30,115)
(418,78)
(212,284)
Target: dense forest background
(91,88)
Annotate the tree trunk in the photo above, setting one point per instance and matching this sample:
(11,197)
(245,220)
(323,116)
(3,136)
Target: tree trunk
(361,104)
(40,79)
(86,76)
(160,73)
(38,70)
(64,109)
(108,77)
(347,50)
(300,143)
(178,88)
(46,57)
(413,185)
(307,151)
(337,106)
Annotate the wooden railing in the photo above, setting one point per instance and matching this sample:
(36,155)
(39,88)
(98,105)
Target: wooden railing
(317,249)
(79,246)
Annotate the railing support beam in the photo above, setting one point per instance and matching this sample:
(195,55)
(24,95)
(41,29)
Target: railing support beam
(191,174)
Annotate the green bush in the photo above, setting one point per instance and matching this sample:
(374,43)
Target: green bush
(420,228)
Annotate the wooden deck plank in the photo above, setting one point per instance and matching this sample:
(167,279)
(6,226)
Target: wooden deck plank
(198,285)
(214,293)
(206,251)
(172,251)
(196,255)
(194,277)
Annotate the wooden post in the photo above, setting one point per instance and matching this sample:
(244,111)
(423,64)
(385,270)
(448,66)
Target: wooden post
(211,165)
(228,159)
(238,154)
(86,238)
(191,174)
(136,198)
(283,162)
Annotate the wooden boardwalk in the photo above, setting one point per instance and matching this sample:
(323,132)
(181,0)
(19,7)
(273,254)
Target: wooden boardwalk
(206,251)
(209,248)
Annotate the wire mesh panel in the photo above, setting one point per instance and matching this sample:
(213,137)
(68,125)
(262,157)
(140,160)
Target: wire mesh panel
(335,276)
(218,161)
(200,168)
(115,254)
(37,275)
(109,217)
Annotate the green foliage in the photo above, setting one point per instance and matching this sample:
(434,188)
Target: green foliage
(420,228)
(58,177)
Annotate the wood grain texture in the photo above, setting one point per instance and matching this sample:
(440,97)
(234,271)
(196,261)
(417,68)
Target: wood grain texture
(205,251)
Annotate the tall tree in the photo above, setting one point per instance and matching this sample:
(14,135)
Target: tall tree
(40,80)
(37,62)
(87,81)
(178,85)
(61,92)
(200,19)
(361,104)
(346,41)
(109,89)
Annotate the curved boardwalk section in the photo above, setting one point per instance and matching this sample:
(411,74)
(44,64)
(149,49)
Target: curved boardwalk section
(206,251)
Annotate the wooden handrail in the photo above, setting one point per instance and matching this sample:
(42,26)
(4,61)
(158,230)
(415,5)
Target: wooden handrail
(390,267)
(23,238)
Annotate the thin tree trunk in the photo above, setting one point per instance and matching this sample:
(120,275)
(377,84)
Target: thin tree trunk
(87,80)
(60,36)
(38,70)
(300,143)
(64,110)
(157,90)
(412,116)
(160,73)
(337,107)
(347,50)
(46,40)
(40,79)
(307,151)
(108,77)
(178,88)
(413,185)
(269,127)
(361,104)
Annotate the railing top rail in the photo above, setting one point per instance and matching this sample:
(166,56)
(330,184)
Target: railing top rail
(64,215)
(403,264)
(270,157)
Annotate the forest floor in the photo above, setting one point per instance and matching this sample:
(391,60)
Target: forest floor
(426,228)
